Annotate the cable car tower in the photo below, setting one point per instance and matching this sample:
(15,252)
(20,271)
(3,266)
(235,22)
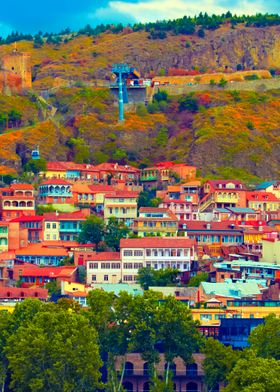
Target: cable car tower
(122,72)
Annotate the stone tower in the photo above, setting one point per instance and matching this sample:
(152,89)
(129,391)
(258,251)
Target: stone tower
(19,64)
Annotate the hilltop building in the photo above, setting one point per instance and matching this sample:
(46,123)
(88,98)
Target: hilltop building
(15,73)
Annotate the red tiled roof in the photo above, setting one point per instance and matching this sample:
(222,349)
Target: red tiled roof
(101,188)
(19,293)
(56,181)
(59,216)
(76,293)
(261,196)
(42,250)
(35,218)
(52,272)
(25,187)
(153,209)
(116,167)
(106,256)
(124,194)
(157,242)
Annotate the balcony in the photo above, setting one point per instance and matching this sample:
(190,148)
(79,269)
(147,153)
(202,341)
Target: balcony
(149,178)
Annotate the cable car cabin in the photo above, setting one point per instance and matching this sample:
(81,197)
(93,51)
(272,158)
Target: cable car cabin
(35,154)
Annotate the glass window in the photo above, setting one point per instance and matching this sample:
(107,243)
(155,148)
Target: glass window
(138,253)
(48,225)
(93,265)
(93,278)
(127,252)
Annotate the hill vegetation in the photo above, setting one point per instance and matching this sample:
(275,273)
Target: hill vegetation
(224,133)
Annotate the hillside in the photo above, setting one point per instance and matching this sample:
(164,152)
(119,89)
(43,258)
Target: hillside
(226,134)
(85,58)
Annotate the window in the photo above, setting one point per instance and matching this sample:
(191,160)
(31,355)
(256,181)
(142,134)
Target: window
(138,265)
(48,225)
(206,317)
(47,237)
(219,316)
(138,253)
(105,265)
(127,252)
(116,266)
(54,236)
(106,278)
(128,278)
(93,278)
(93,265)
(128,266)
(148,252)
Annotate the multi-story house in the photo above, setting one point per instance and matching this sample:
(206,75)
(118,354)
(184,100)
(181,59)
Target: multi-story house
(155,221)
(104,267)
(263,201)
(271,187)
(222,194)
(55,191)
(42,254)
(121,205)
(64,226)
(112,173)
(241,216)
(34,226)
(183,210)
(157,253)
(186,377)
(17,200)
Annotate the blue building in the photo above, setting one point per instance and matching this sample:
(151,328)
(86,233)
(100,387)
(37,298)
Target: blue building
(236,331)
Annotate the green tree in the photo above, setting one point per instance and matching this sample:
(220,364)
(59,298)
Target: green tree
(114,232)
(197,279)
(222,82)
(14,118)
(53,288)
(162,137)
(148,277)
(5,326)
(189,102)
(36,166)
(253,374)
(58,351)
(38,41)
(218,363)
(185,339)
(265,338)
(92,231)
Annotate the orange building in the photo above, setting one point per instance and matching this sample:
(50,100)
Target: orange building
(17,200)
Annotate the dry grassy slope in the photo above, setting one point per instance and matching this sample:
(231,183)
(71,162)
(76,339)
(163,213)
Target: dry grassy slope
(86,58)
(227,139)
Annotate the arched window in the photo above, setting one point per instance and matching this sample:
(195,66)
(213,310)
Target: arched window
(7,203)
(192,387)
(172,368)
(128,368)
(146,369)
(128,386)
(15,204)
(146,387)
(30,204)
(191,370)
(22,204)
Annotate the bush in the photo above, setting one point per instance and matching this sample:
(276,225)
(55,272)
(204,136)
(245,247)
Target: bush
(141,110)
(251,77)
(189,102)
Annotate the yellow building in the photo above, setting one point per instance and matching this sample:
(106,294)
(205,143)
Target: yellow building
(121,205)
(156,221)
(212,316)
(51,229)
(271,251)
(104,267)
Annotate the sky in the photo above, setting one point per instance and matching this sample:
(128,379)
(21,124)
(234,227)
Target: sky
(31,16)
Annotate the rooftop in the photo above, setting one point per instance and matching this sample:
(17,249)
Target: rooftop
(105,256)
(157,242)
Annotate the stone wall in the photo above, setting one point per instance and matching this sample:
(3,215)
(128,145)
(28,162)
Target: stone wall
(248,85)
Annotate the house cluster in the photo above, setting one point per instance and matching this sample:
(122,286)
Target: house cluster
(217,226)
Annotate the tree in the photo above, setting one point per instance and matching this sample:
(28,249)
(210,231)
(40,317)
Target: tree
(189,102)
(58,351)
(36,166)
(222,82)
(14,118)
(177,332)
(197,279)
(38,41)
(5,326)
(219,362)
(114,232)
(92,231)
(148,277)
(162,137)
(254,374)
(265,338)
